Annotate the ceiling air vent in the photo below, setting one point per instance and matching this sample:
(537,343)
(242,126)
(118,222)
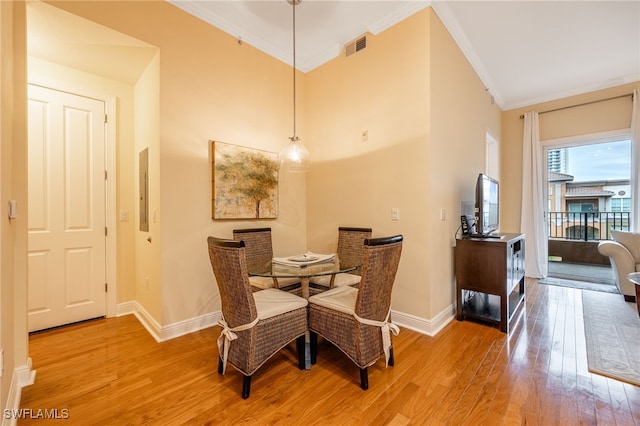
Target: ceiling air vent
(357,45)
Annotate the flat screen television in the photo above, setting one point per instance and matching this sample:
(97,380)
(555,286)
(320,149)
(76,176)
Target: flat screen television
(487,206)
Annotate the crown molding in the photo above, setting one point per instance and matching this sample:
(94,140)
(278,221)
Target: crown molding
(450,22)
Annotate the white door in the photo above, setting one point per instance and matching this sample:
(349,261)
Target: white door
(66,172)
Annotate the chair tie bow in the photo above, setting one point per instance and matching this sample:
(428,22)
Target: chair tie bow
(386,328)
(227,335)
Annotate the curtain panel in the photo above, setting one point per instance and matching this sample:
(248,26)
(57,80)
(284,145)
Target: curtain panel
(534,203)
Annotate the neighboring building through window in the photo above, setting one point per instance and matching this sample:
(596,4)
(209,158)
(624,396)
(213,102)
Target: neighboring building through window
(557,160)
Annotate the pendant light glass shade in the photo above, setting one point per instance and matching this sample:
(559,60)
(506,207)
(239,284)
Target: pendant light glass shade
(294,157)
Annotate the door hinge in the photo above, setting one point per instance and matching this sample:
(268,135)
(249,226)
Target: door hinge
(105,287)
(106,119)
(105,231)
(106,175)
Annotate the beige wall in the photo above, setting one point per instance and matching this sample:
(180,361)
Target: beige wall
(148,276)
(384,90)
(589,119)
(462,112)
(13,186)
(411,100)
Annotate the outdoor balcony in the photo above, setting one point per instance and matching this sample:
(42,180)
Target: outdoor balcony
(573,244)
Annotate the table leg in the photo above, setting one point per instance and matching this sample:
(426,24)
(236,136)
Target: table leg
(304,285)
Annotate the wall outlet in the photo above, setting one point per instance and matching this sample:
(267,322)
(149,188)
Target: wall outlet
(124,215)
(395,214)
(443,214)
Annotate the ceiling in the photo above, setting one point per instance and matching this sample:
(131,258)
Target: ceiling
(68,40)
(525,52)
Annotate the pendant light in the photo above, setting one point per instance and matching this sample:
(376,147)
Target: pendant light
(294,157)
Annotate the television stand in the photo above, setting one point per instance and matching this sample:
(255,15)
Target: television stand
(490,279)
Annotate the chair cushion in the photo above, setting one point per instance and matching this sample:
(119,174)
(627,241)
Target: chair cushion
(261,282)
(267,282)
(342,299)
(630,240)
(271,302)
(340,280)
(283,282)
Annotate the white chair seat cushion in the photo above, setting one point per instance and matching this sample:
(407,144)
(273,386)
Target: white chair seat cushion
(341,299)
(267,282)
(340,280)
(283,282)
(271,302)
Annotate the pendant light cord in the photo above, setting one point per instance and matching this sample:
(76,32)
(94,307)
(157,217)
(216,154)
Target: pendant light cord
(294,137)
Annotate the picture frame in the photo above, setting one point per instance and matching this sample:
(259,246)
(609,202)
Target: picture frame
(244,182)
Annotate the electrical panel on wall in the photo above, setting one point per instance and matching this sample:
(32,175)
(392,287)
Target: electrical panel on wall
(144,189)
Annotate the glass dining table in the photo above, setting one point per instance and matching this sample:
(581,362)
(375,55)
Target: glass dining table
(291,267)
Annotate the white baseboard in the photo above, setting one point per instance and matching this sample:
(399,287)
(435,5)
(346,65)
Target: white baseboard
(126,308)
(422,325)
(161,333)
(22,376)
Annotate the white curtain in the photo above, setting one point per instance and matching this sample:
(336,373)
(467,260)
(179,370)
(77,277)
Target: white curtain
(635,162)
(534,200)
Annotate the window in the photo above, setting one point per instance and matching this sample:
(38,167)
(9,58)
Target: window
(621,205)
(581,207)
(492,157)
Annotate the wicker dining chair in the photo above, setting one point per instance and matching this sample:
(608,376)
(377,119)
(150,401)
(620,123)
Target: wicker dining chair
(357,320)
(259,254)
(255,325)
(350,253)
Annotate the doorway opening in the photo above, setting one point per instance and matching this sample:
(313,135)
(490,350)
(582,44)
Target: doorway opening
(588,195)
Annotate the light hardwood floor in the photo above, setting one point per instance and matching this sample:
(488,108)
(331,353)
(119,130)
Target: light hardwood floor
(111,372)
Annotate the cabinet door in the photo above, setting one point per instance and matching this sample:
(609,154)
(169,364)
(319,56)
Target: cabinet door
(482,266)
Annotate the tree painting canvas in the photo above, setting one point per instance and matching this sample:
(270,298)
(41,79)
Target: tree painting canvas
(244,182)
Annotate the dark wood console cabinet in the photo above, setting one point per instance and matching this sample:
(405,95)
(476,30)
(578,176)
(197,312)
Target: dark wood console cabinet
(490,278)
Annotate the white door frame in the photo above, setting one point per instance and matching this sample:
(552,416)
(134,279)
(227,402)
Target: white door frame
(111,214)
(110,193)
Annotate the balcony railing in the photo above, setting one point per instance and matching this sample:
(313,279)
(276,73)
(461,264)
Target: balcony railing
(586,226)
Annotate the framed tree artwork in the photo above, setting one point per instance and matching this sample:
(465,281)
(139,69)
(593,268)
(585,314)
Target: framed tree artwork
(244,182)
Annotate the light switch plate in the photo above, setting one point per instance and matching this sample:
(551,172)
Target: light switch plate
(13,209)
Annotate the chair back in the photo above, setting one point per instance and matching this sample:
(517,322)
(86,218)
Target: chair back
(258,248)
(351,246)
(381,259)
(230,269)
